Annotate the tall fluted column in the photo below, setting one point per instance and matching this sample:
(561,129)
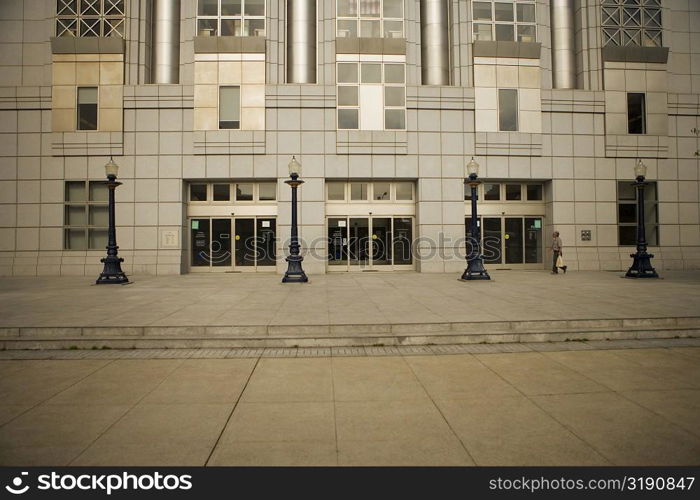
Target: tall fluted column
(563,44)
(435,42)
(165,62)
(301,41)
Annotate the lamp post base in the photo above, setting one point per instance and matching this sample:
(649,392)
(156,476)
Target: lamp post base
(112,273)
(475,270)
(294,274)
(641,266)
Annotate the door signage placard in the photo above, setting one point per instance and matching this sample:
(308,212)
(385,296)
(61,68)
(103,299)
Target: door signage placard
(195,224)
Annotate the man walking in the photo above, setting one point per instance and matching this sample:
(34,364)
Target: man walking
(556,252)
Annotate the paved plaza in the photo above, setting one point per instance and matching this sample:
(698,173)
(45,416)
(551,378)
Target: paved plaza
(348,298)
(549,404)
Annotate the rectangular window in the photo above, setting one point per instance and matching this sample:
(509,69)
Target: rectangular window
(404,191)
(627,214)
(636,113)
(222,192)
(631,23)
(513,192)
(507,110)
(244,192)
(360,95)
(267,191)
(534,192)
(198,192)
(504,20)
(231,18)
(90,18)
(336,191)
(373,18)
(492,192)
(87,108)
(229,107)
(86,215)
(358,191)
(381,191)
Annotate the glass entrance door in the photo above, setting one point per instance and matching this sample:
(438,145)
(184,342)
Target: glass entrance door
(510,241)
(381,241)
(370,243)
(245,242)
(220,247)
(226,244)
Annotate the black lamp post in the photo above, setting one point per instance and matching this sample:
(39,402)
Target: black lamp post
(475,261)
(641,265)
(112,272)
(294,274)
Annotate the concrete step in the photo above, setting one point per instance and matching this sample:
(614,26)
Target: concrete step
(329,335)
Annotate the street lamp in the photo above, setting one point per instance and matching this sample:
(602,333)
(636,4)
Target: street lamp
(475,261)
(112,272)
(641,265)
(294,274)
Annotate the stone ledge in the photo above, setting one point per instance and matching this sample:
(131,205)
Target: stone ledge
(229,45)
(635,54)
(87,45)
(523,50)
(385,46)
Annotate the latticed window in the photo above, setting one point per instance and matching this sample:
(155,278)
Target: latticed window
(632,23)
(231,18)
(90,18)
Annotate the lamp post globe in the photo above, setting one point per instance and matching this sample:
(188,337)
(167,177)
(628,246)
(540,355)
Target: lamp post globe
(475,261)
(112,272)
(641,260)
(295,273)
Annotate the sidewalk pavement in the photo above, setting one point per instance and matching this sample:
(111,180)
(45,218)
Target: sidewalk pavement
(339,299)
(585,406)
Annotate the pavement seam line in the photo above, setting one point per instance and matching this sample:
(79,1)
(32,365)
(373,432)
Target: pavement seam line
(566,427)
(59,392)
(335,413)
(121,417)
(464,446)
(230,415)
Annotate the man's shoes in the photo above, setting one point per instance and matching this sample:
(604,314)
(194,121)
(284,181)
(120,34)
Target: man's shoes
(554,272)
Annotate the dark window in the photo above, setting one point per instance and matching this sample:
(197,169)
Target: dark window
(513,192)
(534,192)
(198,192)
(507,109)
(636,113)
(87,108)
(244,192)
(627,214)
(229,107)
(222,192)
(492,192)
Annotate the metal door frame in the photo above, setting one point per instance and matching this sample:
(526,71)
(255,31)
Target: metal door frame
(371,267)
(233,268)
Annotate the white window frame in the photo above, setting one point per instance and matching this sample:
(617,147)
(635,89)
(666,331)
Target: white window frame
(242,18)
(383,32)
(515,22)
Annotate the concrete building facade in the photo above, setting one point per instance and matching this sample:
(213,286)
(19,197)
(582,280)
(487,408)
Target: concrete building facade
(203,103)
